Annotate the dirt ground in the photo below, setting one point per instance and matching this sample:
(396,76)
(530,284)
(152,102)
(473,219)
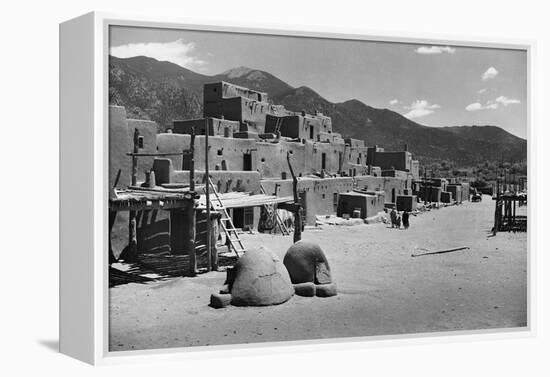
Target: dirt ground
(382,289)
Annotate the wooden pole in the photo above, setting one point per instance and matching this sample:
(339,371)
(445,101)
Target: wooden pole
(496,224)
(189,237)
(207,192)
(112,219)
(299,211)
(192,163)
(132,223)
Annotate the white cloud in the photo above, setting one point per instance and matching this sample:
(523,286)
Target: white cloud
(420,108)
(481,91)
(505,101)
(492,105)
(394,102)
(490,73)
(434,50)
(474,106)
(178,52)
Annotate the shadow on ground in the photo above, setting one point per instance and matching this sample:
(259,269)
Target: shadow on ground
(151,267)
(52,345)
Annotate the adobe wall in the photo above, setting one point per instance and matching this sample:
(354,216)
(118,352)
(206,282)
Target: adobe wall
(393,160)
(224,181)
(289,125)
(216,91)
(224,153)
(320,195)
(216,127)
(121,142)
(391,186)
(415,169)
(148,131)
(371,153)
(369,204)
(239,109)
(118,136)
(300,126)
(355,143)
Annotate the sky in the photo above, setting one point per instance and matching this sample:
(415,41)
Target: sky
(434,85)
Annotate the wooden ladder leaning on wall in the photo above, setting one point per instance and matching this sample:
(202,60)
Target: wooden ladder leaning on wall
(272,213)
(278,124)
(226,222)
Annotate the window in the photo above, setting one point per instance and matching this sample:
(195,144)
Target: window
(335,201)
(220,152)
(323,161)
(140,142)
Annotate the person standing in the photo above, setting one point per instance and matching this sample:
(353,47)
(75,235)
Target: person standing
(393,217)
(405,218)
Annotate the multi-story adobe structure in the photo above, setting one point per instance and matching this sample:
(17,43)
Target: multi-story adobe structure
(248,142)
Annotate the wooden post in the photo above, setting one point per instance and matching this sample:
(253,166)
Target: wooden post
(112,219)
(214,251)
(132,223)
(207,192)
(190,232)
(497,215)
(135,158)
(298,213)
(192,163)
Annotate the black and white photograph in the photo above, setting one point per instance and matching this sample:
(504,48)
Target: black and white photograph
(276,188)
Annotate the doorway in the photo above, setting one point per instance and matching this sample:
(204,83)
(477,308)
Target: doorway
(243,218)
(247,162)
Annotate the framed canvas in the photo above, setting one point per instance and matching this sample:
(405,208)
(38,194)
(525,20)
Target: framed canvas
(228,189)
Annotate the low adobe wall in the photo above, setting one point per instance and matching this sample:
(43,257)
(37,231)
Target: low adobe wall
(320,196)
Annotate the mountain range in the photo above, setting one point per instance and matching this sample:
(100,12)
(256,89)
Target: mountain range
(163,92)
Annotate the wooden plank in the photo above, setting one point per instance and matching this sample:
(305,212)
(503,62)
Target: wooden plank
(158,154)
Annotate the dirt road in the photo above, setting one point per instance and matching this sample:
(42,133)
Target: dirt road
(382,289)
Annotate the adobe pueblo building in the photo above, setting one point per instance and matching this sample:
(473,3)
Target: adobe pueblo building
(249,146)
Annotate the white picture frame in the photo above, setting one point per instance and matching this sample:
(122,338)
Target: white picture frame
(84,171)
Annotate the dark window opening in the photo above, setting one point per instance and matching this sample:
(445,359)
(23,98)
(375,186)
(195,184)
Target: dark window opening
(323,161)
(247,162)
(335,201)
(220,152)
(243,218)
(140,142)
(311,132)
(186,163)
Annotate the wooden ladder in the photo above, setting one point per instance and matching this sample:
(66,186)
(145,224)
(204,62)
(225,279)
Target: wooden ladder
(272,213)
(226,222)
(278,124)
